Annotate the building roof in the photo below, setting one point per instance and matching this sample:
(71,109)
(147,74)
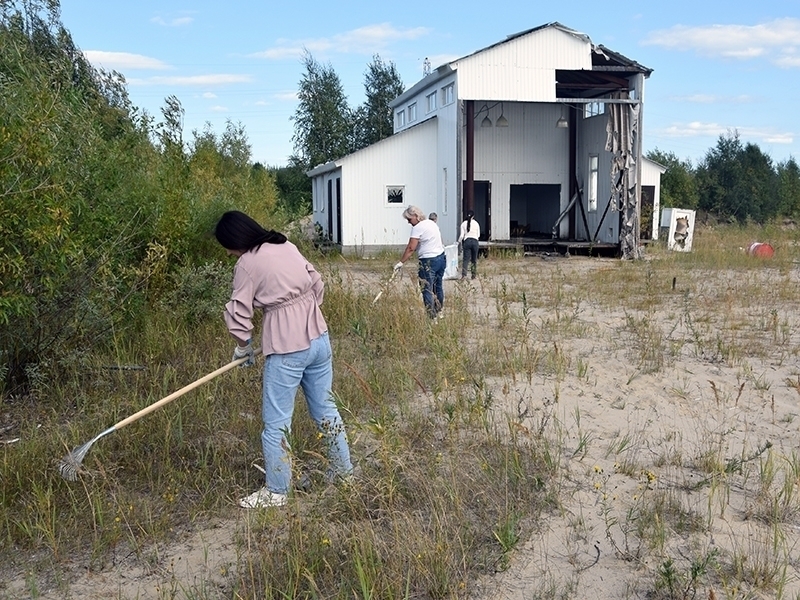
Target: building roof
(610,70)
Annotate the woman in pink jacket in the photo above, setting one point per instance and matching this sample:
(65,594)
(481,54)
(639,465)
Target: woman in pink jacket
(272,276)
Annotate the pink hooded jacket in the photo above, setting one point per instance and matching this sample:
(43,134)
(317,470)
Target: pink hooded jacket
(279,280)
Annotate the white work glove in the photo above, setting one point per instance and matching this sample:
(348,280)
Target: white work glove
(398,266)
(242,351)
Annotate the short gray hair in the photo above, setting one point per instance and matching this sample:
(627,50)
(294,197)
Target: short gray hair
(414,211)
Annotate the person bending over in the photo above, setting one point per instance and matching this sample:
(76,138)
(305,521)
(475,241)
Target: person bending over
(272,275)
(426,241)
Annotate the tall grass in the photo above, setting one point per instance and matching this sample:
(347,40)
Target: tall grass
(450,481)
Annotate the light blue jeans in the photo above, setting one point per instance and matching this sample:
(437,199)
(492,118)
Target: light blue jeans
(283,374)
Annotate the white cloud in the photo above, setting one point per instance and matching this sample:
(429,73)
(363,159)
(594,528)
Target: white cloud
(694,129)
(713,99)
(123,61)
(211,79)
(777,41)
(437,60)
(174,22)
(209,95)
(370,39)
(788,62)
(714,130)
(219,109)
(780,138)
(285,96)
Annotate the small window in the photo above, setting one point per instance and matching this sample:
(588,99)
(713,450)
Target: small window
(448,95)
(412,112)
(592,109)
(394,194)
(592,195)
(401,118)
(431,101)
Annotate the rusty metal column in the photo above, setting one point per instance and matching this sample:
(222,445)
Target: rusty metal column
(469,184)
(572,136)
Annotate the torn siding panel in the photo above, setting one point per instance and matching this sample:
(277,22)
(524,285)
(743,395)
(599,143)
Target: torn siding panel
(623,130)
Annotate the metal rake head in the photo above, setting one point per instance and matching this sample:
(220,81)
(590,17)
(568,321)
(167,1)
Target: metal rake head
(70,465)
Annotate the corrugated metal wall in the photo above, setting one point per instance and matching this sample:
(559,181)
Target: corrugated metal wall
(367,219)
(592,140)
(530,150)
(524,69)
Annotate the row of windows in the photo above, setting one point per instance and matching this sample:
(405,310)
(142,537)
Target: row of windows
(447,94)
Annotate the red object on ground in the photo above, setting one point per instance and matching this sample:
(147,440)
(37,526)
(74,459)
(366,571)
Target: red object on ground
(760,250)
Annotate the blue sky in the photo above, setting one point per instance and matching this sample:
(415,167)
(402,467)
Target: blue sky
(718,67)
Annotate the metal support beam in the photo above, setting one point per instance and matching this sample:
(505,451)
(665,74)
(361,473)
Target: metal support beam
(469,184)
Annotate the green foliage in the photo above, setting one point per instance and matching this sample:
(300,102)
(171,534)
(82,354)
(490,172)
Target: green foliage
(789,188)
(678,186)
(326,128)
(99,204)
(737,182)
(374,120)
(734,181)
(323,118)
(207,289)
(294,189)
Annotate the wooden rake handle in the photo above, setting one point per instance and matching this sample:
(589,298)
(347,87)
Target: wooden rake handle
(187,388)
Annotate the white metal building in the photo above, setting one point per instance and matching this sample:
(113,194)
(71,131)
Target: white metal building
(539,134)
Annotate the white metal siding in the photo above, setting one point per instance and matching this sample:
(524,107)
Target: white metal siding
(522,69)
(593,141)
(408,159)
(651,175)
(530,150)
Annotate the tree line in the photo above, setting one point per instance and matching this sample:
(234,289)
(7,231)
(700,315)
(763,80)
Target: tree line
(735,182)
(327,128)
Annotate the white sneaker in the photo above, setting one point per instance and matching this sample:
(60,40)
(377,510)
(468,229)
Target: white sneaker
(263,498)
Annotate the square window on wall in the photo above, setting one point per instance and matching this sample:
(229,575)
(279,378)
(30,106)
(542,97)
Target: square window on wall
(395,193)
(401,118)
(448,94)
(431,98)
(412,112)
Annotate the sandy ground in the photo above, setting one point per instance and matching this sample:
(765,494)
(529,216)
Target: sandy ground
(626,442)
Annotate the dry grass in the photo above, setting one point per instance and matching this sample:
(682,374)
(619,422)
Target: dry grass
(572,427)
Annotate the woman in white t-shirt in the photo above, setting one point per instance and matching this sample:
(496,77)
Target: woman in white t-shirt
(470,234)
(426,240)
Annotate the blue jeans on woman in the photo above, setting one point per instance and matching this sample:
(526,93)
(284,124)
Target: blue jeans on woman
(431,275)
(311,369)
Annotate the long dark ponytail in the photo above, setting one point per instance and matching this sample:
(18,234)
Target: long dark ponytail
(237,231)
(470,214)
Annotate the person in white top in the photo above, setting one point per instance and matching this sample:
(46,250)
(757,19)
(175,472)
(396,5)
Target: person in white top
(470,233)
(426,241)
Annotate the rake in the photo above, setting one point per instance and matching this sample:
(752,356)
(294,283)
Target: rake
(70,465)
(391,279)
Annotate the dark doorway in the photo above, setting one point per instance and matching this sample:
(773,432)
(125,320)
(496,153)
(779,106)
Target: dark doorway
(647,209)
(330,210)
(338,210)
(534,209)
(483,207)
